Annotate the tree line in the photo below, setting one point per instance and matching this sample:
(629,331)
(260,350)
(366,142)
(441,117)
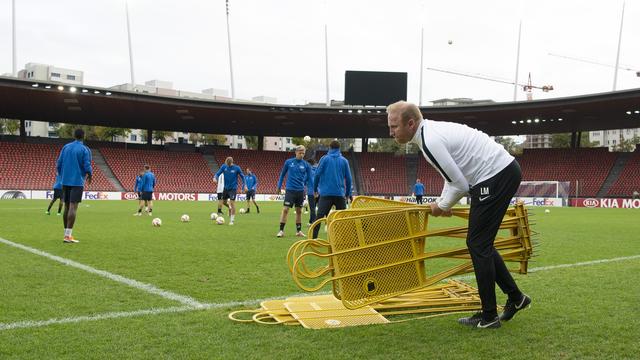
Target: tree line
(103,133)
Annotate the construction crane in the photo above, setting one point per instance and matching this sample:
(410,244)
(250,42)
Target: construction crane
(620,67)
(528,87)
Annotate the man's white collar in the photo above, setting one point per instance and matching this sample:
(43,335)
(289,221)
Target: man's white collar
(417,137)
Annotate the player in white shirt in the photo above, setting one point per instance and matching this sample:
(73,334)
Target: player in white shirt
(220,190)
(471,163)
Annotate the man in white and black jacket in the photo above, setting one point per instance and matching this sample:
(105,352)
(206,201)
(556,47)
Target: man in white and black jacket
(470,163)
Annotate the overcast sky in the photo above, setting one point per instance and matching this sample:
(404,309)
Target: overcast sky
(278,46)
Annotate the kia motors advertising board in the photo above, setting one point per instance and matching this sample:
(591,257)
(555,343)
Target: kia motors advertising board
(606,203)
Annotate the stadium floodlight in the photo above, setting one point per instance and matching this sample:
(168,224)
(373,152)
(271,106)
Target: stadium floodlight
(96,92)
(60,87)
(73,89)
(637,111)
(528,121)
(536,120)
(85,90)
(521,121)
(514,122)
(108,93)
(559,119)
(34,85)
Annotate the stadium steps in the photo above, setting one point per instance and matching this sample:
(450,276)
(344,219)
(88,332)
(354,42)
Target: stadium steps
(412,170)
(355,173)
(98,159)
(211,162)
(617,168)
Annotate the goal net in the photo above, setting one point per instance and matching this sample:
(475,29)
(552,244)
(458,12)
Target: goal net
(548,189)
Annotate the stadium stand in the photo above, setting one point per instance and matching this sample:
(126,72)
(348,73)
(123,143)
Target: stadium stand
(265,164)
(389,177)
(33,167)
(432,180)
(629,179)
(175,171)
(588,166)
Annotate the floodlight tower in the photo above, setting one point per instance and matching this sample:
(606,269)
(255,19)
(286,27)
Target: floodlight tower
(13,25)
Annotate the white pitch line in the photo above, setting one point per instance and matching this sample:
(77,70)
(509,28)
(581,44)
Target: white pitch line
(109,315)
(560,266)
(584,263)
(185,300)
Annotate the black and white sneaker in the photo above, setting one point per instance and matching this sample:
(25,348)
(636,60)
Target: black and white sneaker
(512,307)
(472,320)
(492,324)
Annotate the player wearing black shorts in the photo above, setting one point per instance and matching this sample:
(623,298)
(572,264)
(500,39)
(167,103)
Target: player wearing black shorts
(298,173)
(231,174)
(57,194)
(147,186)
(74,167)
(332,182)
(251,184)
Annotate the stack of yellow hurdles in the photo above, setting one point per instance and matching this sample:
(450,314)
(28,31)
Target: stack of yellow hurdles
(376,261)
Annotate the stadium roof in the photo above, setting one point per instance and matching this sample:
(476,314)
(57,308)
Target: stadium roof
(90,105)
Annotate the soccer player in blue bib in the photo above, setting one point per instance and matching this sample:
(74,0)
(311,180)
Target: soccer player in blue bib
(231,173)
(332,182)
(57,194)
(298,173)
(137,188)
(146,188)
(74,167)
(251,184)
(418,191)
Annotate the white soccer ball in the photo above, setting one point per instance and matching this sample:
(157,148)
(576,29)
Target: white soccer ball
(214,216)
(185,218)
(546,211)
(242,211)
(373,169)
(307,138)
(220,220)
(156,222)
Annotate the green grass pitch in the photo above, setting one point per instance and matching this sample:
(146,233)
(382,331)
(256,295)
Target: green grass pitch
(587,310)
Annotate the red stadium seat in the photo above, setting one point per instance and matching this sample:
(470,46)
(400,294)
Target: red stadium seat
(389,176)
(175,171)
(588,166)
(629,178)
(33,167)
